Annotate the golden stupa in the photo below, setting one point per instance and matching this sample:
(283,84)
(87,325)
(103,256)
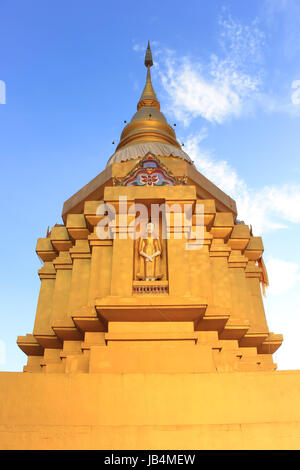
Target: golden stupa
(150,334)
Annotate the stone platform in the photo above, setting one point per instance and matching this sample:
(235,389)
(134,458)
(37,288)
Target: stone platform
(238,410)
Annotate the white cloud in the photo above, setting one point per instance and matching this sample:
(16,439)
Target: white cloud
(220,172)
(283,276)
(268,208)
(242,43)
(138,48)
(192,95)
(220,88)
(295,97)
(283,316)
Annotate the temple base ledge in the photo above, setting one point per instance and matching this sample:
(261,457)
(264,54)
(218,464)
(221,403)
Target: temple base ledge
(151,308)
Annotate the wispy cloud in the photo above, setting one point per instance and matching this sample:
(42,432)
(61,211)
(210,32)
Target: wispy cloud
(283,276)
(295,96)
(268,208)
(220,88)
(138,47)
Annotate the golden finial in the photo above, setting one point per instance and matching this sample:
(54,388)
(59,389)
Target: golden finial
(148,56)
(148,97)
(148,124)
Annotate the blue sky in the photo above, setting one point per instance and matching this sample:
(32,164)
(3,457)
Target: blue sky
(227,72)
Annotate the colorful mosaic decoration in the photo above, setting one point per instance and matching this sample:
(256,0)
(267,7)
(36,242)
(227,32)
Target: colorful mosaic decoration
(150,171)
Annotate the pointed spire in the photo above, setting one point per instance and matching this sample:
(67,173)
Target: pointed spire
(148,124)
(148,56)
(148,97)
(148,90)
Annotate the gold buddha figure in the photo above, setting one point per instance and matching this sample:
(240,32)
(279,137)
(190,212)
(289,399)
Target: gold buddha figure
(149,251)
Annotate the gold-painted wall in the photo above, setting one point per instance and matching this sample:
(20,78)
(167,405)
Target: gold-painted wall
(150,411)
